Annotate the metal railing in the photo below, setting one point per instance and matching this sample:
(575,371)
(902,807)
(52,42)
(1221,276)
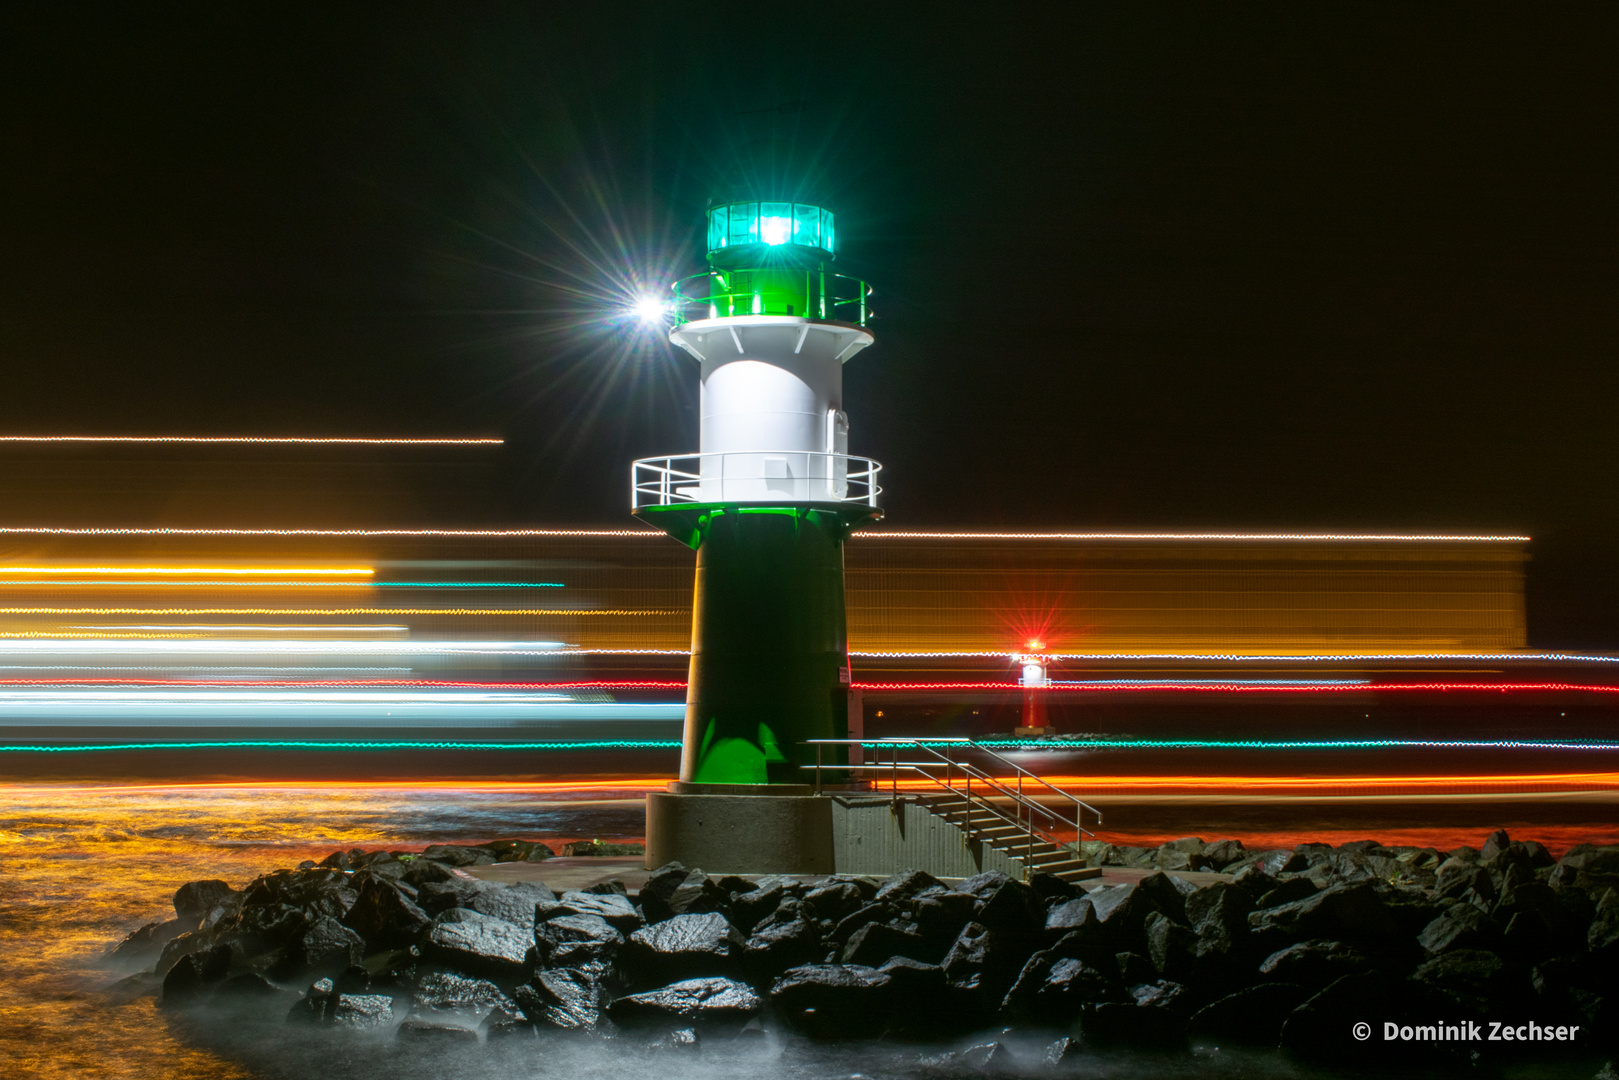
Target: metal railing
(744,477)
(944,764)
(810,294)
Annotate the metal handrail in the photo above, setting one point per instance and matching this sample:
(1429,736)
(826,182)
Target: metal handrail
(658,481)
(723,301)
(1025,807)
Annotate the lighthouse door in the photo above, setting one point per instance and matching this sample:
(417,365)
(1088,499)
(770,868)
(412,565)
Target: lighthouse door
(837,447)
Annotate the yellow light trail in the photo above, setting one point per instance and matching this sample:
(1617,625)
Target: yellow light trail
(45,530)
(335,611)
(192,571)
(256,439)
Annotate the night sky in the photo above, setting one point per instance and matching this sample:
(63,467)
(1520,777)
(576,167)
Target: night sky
(1345,267)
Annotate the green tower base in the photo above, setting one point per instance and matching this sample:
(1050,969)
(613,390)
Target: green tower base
(769,651)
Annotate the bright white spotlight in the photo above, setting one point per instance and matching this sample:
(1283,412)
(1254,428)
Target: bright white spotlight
(650,309)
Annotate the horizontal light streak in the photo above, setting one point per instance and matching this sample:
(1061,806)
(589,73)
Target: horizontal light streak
(47,530)
(1294,744)
(217,645)
(1195,683)
(252,628)
(1241,687)
(383,709)
(393,744)
(335,611)
(313,440)
(53,583)
(1246,657)
(1226,784)
(578,684)
(193,571)
(1307,537)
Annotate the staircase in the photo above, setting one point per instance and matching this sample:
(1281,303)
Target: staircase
(1024,846)
(988,799)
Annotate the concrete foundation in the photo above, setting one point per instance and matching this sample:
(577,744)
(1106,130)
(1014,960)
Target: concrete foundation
(811,834)
(740,834)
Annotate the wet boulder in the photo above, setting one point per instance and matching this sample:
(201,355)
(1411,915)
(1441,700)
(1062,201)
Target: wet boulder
(436,1031)
(263,927)
(455,997)
(683,946)
(522,850)
(194,977)
(907,885)
(1351,912)
(420,872)
(315,1007)
(515,903)
(1170,946)
(454,892)
(832,1000)
(1460,926)
(612,908)
(751,908)
(327,947)
(1320,1030)
(1222,853)
(715,1005)
(1013,910)
(786,939)
(876,942)
(458,855)
(194,899)
(1286,892)
(1252,1016)
(983,961)
(362,1011)
(1052,989)
(659,889)
(1476,979)
(833,901)
(1314,963)
(943,913)
(1052,889)
(564,999)
(147,943)
(385,918)
(575,941)
(478,944)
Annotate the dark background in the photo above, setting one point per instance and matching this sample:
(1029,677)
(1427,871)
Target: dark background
(1333,267)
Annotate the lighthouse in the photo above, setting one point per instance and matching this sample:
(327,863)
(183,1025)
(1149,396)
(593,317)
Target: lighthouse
(770,495)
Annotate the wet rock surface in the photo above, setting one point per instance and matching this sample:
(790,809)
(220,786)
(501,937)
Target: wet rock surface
(1288,952)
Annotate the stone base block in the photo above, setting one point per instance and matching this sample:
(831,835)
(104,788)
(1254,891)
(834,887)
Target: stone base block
(740,834)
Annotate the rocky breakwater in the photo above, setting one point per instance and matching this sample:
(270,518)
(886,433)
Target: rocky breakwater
(1289,949)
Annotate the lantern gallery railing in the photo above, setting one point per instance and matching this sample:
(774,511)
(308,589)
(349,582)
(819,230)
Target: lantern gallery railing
(790,477)
(783,290)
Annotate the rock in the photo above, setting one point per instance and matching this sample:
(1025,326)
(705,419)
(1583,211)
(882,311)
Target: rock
(832,1000)
(477,944)
(1475,978)
(1494,844)
(575,941)
(565,999)
(1069,916)
(194,977)
(612,908)
(1180,861)
(248,986)
(1222,906)
(529,850)
(1013,910)
(458,855)
(1281,861)
(384,918)
(833,901)
(438,896)
(362,1011)
(445,993)
(316,1005)
(907,885)
(1052,889)
(194,899)
(1603,937)
(419,872)
(751,908)
(1140,1027)
(874,943)
(866,914)
(262,927)
(434,1031)
(941,915)
(327,947)
(1133,968)
(1460,926)
(984,1059)
(1169,946)
(1287,892)
(1222,853)
(1353,912)
(1314,963)
(785,940)
(658,889)
(1052,989)
(709,1004)
(600,849)
(1252,1016)
(1063,1054)
(147,942)
(683,945)
(516,903)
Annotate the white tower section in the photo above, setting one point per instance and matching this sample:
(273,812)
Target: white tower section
(773,426)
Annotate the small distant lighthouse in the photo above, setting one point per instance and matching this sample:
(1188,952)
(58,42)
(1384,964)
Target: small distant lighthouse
(766,502)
